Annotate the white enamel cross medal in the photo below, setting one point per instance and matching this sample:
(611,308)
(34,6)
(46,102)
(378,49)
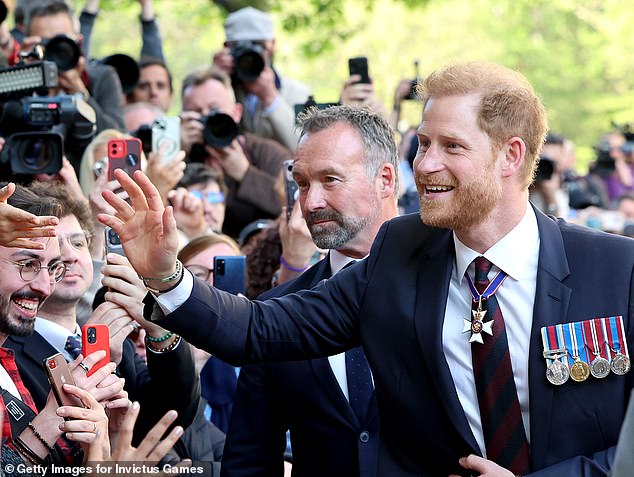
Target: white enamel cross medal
(477,326)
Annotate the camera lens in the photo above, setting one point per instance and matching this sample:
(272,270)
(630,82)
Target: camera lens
(248,60)
(35,155)
(92,335)
(220,130)
(63,51)
(220,267)
(113,237)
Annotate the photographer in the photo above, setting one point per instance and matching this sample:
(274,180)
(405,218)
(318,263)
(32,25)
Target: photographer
(248,164)
(614,163)
(98,84)
(267,97)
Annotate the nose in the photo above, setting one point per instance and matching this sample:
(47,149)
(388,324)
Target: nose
(67,253)
(42,283)
(313,199)
(427,161)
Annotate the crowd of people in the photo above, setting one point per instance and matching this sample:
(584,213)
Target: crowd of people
(434,301)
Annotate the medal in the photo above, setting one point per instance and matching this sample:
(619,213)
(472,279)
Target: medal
(599,367)
(557,373)
(477,326)
(620,363)
(579,370)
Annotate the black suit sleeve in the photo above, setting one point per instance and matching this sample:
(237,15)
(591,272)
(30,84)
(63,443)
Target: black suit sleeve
(257,434)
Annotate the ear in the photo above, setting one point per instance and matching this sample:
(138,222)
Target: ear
(514,155)
(386,178)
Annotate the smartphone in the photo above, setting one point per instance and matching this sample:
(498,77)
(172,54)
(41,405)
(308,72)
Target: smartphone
(230,274)
(166,136)
(58,374)
(359,66)
(94,338)
(291,187)
(113,242)
(124,154)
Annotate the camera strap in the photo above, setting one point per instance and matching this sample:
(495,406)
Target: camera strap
(18,413)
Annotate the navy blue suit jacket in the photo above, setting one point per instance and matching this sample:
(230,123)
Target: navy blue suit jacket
(305,397)
(394,303)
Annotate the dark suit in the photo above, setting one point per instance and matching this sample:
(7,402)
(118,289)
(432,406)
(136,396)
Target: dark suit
(169,381)
(394,303)
(305,397)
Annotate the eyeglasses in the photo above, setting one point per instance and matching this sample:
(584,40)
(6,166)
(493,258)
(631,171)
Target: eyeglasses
(211,197)
(200,272)
(30,268)
(77,241)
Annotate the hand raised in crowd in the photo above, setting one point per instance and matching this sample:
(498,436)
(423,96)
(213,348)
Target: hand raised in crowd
(67,176)
(165,175)
(231,159)
(361,95)
(191,130)
(188,212)
(19,228)
(297,244)
(222,59)
(87,425)
(263,86)
(146,228)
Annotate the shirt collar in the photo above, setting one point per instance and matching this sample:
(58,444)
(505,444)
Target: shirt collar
(510,254)
(55,334)
(338,260)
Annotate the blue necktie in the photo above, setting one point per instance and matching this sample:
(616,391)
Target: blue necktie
(359,379)
(73,345)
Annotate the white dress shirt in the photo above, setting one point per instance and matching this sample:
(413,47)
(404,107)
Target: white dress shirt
(516,254)
(56,335)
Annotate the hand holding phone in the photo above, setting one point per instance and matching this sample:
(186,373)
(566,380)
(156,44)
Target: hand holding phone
(124,154)
(94,338)
(58,374)
(359,66)
(290,186)
(113,242)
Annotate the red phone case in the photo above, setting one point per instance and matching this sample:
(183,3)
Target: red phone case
(124,154)
(94,338)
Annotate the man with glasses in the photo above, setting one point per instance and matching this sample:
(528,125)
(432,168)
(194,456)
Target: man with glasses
(57,329)
(28,278)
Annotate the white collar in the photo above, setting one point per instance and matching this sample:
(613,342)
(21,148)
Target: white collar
(338,260)
(510,254)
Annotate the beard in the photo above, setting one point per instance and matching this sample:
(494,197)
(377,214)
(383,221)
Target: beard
(15,325)
(470,204)
(341,230)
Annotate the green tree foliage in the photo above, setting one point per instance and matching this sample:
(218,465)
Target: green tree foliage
(577,53)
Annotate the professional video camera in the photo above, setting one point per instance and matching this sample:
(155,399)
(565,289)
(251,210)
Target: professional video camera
(248,61)
(220,131)
(38,129)
(604,163)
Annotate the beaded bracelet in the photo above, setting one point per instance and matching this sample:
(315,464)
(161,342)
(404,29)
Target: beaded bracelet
(169,278)
(27,452)
(286,265)
(160,339)
(167,349)
(39,436)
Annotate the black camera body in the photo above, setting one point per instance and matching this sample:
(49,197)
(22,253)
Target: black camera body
(248,60)
(37,128)
(220,131)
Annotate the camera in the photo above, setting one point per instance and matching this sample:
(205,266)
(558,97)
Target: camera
(38,129)
(61,50)
(248,60)
(413,84)
(220,129)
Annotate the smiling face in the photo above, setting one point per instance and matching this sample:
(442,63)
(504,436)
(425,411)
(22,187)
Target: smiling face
(339,199)
(20,300)
(457,172)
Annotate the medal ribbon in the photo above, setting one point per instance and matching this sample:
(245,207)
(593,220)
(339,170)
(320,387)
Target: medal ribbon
(616,335)
(551,342)
(561,342)
(570,340)
(579,341)
(606,342)
(490,290)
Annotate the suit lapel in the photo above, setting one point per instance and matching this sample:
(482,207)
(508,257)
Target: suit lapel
(433,286)
(552,298)
(326,378)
